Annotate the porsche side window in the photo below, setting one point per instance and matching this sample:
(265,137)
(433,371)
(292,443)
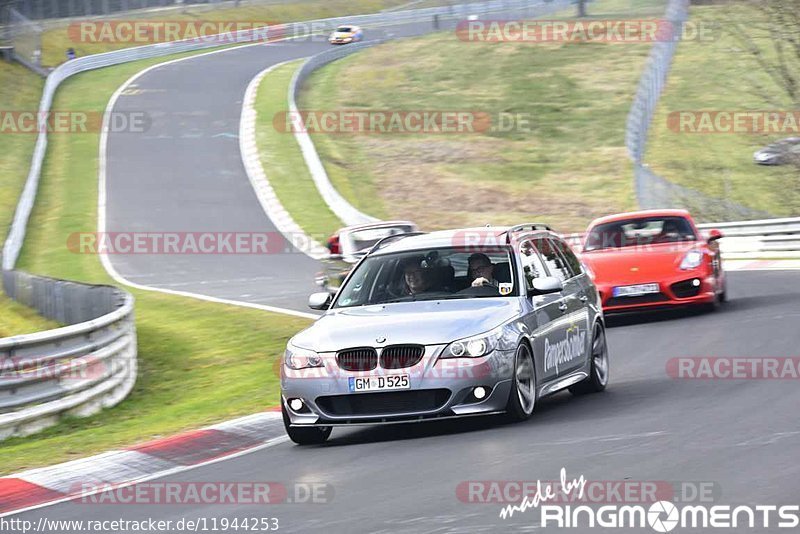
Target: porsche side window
(571,260)
(532,266)
(556,265)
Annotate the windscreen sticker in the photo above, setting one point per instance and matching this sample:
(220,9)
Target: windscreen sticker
(505,288)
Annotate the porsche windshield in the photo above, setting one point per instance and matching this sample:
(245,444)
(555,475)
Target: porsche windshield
(429,274)
(632,232)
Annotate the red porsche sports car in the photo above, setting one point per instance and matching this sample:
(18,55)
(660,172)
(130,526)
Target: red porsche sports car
(652,259)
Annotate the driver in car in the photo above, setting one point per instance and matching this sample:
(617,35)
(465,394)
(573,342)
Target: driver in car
(481,271)
(418,279)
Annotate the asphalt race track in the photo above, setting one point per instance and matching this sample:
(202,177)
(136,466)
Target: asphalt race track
(186,174)
(741,436)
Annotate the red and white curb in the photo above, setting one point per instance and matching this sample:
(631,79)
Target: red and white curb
(45,486)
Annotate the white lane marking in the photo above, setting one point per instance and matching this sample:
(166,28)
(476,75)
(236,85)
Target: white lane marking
(269,201)
(594,439)
(761,265)
(768,439)
(102,198)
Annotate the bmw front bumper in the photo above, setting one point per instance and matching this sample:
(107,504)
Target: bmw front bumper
(438,389)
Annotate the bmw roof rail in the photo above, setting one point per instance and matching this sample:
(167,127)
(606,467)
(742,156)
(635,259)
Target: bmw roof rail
(527,227)
(386,240)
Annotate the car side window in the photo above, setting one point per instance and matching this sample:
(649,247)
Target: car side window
(552,259)
(532,266)
(572,261)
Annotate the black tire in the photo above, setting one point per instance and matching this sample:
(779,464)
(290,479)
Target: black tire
(598,371)
(313,435)
(520,405)
(722,297)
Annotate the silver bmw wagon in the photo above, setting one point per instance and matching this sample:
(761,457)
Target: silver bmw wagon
(446,324)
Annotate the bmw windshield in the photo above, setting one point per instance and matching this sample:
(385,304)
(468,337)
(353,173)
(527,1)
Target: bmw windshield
(429,274)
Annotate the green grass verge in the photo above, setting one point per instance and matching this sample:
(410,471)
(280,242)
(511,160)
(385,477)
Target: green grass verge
(199,362)
(16,319)
(283,162)
(20,90)
(568,168)
(720,75)
(55,41)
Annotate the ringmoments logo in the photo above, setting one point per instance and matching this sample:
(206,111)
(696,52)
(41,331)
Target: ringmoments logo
(660,516)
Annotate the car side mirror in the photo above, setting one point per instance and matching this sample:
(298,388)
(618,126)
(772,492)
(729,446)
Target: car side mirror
(714,235)
(546,285)
(320,301)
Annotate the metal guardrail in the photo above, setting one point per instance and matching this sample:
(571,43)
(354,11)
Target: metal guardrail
(653,191)
(773,238)
(75,370)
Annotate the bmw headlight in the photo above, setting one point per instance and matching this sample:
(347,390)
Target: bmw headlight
(297,358)
(692,260)
(477,346)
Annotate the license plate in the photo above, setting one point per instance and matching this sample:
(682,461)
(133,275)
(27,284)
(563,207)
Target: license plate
(633,291)
(378,383)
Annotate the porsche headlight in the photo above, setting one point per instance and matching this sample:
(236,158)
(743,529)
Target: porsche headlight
(475,347)
(297,358)
(692,260)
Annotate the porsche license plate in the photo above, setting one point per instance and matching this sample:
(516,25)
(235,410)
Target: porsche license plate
(378,383)
(635,291)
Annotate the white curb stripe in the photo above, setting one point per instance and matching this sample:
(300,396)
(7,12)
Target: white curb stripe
(270,203)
